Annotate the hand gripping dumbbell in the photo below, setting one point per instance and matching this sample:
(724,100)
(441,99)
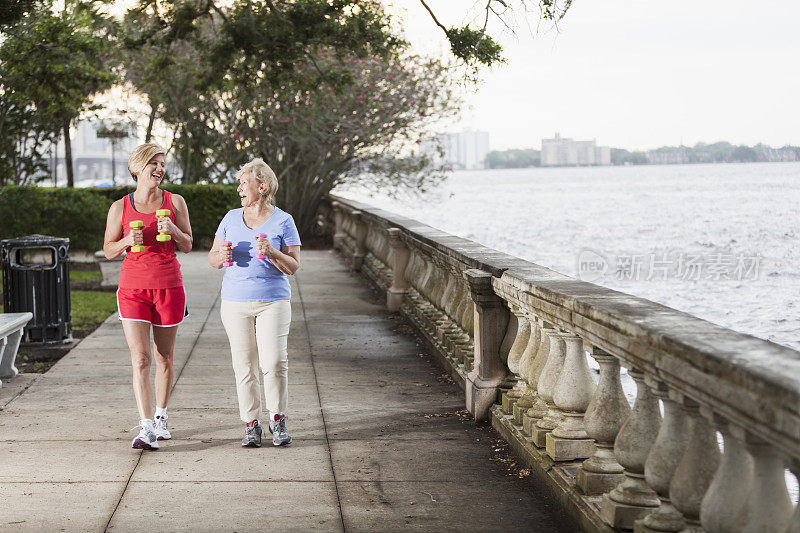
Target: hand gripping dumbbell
(227,244)
(261,236)
(136,224)
(163,237)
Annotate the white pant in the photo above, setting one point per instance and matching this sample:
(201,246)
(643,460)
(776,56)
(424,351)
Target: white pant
(258,334)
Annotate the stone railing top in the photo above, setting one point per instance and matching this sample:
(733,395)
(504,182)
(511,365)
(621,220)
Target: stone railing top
(743,378)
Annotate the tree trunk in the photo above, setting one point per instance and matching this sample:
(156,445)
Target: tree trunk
(186,156)
(149,133)
(54,157)
(68,155)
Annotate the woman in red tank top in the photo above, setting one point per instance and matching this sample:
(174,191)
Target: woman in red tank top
(150,285)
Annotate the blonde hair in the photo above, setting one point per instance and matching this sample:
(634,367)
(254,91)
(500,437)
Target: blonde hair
(262,174)
(142,155)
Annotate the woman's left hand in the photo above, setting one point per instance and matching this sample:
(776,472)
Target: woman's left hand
(165,225)
(263,247)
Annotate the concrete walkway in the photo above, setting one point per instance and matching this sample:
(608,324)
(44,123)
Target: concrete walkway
(378,443)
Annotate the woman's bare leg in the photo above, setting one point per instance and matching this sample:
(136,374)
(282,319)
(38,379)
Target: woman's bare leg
(164,343)
(138,336)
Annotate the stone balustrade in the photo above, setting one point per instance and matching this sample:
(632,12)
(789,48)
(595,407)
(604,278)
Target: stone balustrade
(518,337)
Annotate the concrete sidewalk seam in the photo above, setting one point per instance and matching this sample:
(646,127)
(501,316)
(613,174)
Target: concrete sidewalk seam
(20,393)
(319,401)
(122,494)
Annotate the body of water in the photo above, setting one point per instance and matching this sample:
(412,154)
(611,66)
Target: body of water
(717,241)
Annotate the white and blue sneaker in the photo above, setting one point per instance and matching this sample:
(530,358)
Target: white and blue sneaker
(146,439)
(161,429)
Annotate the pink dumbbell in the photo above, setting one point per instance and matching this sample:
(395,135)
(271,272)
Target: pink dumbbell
(261,236)
(227,244)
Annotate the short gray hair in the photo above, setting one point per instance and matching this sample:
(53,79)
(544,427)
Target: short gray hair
(262,174)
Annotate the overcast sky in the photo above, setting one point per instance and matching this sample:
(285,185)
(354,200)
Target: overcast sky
(638,75)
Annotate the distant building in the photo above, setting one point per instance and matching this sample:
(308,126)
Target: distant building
(92,157)
(561,152)
(677,156)
(462,151)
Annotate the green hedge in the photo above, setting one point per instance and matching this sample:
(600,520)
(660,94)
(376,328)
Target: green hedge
(80,214)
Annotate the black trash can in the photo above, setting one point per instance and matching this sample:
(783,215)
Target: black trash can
(36,279)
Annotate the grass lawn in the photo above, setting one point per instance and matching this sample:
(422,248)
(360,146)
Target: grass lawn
(89,308)
(85,275)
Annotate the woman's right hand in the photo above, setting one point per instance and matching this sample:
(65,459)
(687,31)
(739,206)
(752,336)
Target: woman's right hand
(226,254)
(135,236)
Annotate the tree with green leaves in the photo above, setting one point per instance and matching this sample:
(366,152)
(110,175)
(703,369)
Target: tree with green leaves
(54,63)
(24,141)
(317,136)
(11,11)
(324,91)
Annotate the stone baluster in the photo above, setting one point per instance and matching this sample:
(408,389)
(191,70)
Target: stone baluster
(400,256)
(767,508)
(514,355)
(728,490)
(411,300)
(361,239)
(448,299)
(547,386)
(380,262)
(437,289)
(466,320)
(424,307)
(540,359)
(663,460)
(698,464)
(633,499)
(794,527)
(420,271)
(384,248)
(510,337)
(338,221)
(469,322)
(572,394)
(429,310)
(603,419)
(447,282)
(459,339)
(450,330)
(435,293)
(491,319)
(539,408)
(526,371)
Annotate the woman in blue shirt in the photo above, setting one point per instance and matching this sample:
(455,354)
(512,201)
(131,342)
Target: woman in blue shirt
(255,309)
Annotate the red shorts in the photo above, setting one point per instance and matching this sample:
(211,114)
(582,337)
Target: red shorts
(160,307)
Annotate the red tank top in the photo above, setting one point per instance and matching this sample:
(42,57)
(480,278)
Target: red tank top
(156,267)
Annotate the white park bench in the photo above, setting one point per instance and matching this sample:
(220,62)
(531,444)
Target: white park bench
(11,325)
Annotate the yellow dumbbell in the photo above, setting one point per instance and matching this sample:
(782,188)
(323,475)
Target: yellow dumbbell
(162,237)
(136,224)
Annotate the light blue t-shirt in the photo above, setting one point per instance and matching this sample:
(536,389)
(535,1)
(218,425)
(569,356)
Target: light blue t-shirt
(251,279)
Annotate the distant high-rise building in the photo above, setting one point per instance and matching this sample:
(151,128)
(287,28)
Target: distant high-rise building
(466,150)
(560,151)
